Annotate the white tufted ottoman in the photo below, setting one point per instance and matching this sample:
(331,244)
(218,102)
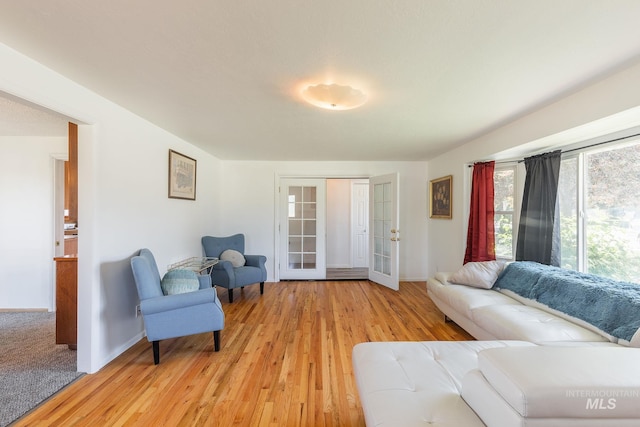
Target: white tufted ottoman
(556,387)
(418,383)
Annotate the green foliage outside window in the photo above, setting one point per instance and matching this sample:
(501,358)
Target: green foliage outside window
(612,251)
(503,183)
(612,213)
(504,236)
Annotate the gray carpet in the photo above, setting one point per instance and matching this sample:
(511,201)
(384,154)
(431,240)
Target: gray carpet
(32,366)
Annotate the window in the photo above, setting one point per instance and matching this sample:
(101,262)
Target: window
(504,179)
(599,207)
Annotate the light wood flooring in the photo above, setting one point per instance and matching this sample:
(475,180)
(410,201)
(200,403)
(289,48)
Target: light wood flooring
(285,360)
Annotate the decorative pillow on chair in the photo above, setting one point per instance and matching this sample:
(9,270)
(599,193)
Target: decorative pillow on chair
(478,274)
(179,281)
(235,257)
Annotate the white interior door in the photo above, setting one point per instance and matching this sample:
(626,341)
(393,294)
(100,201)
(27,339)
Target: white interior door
(385,233)
(302,229)
(360,223)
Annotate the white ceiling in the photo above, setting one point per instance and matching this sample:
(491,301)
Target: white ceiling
(226,75)
(20,118)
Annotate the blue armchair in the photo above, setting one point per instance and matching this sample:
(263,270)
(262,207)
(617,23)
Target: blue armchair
(225,274)
(170,316)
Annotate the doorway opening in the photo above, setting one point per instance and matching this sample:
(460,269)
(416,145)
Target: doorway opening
(304,249)
(347,229)
(324,228)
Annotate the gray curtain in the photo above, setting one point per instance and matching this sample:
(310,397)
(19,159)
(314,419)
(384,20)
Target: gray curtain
(538,236)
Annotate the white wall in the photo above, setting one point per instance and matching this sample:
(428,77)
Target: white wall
(604,107)
(338,223)
(26,221)
(123,203)
(249,191)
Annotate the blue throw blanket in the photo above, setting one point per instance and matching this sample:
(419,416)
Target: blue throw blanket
(610,305)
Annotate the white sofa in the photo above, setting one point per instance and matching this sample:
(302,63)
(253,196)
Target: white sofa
(406,384)
(505,379)
(501,314)
(497,384)
(492,315)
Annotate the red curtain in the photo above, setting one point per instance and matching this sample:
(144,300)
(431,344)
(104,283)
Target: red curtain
(481,245)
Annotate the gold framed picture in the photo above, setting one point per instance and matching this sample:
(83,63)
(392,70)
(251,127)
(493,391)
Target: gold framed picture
(182,176)
(440,197)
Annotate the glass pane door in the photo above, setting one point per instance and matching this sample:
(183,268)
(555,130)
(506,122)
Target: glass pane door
(302,229)
(384,219)
(382,228)
(302,220)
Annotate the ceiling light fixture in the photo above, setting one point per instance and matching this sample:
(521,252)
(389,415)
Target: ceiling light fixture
(334,96)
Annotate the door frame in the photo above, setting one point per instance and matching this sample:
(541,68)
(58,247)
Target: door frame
(276,199)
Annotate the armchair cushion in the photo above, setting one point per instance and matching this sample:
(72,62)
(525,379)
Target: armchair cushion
(247,275)
(234,257)
(179,281)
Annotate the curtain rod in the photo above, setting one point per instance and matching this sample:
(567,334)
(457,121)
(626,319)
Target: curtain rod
(572,150)
(603,142)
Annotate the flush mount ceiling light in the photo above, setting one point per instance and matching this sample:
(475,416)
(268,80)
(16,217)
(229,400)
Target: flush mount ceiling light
(334,96)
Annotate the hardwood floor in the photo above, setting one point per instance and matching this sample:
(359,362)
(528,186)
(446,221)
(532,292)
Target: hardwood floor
(285,360)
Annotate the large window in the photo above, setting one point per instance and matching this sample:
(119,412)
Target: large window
(504,180)
(599,201)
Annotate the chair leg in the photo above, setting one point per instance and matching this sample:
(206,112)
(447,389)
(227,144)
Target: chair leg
(216,340)
(261,288)
(156,352)
(230,295)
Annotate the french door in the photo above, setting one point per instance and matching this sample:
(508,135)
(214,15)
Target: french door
(302,229)
(360,223)
(385,234)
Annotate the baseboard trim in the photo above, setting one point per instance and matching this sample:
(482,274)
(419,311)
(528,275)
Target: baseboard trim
(119,350)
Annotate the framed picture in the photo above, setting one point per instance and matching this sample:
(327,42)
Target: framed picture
(440,197)
(182,176)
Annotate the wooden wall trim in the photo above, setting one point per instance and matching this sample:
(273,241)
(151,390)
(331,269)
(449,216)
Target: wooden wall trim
(71,193)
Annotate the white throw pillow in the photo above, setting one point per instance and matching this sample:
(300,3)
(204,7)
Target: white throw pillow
(478,274)
(235,257)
